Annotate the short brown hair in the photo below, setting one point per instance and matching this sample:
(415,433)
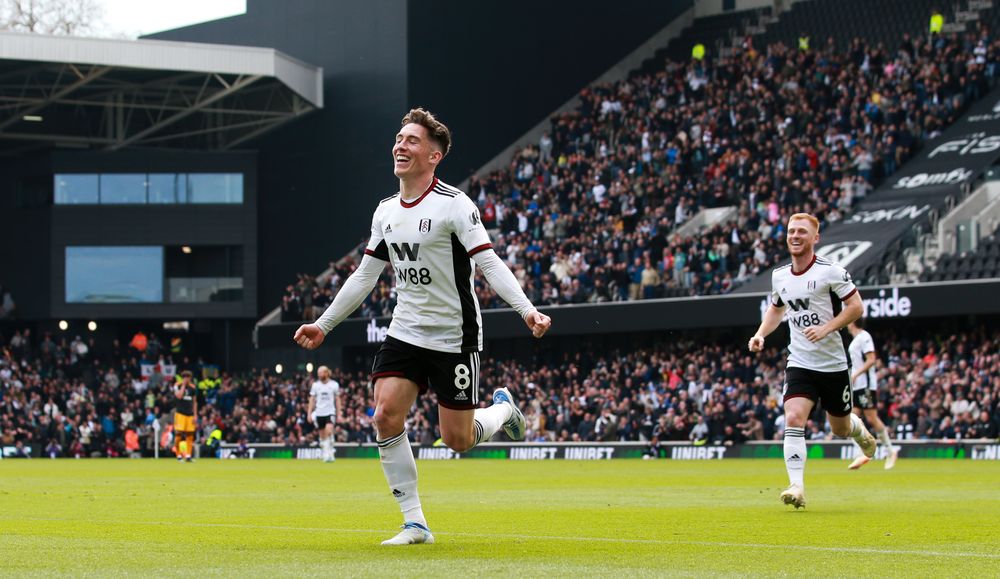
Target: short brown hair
(186,374)
(807,217)
(438,132)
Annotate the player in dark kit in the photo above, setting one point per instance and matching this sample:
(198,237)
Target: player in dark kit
(185,410)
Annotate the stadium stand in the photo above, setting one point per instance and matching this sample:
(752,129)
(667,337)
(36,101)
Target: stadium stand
(840,22)
(590,214)
(979,264)
(710,31)
(82,402)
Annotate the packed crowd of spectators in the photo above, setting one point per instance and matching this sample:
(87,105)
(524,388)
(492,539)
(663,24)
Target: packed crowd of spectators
(306,299)
(941,387)
(78,397)
(590,214)
(74,398)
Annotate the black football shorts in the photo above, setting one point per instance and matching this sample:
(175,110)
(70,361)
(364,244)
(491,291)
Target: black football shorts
(454,377)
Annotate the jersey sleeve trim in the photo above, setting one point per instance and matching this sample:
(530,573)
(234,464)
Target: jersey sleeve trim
(849,294)
(480,248)
(381,251)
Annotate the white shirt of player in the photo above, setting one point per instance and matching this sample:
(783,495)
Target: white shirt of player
(430,242)
(326,397)
(813,296)
(859,348)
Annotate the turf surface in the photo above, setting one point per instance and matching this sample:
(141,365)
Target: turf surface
(491,518)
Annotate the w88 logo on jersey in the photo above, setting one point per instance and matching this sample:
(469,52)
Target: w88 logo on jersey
(414,276)
(806,319)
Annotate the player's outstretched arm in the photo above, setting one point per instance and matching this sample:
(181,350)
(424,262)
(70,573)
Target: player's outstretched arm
(355,290)
(771,321)
(500,278)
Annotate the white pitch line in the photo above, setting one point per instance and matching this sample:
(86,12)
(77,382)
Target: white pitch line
(859,550)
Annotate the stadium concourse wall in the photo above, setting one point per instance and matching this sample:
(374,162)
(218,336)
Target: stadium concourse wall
(838,450)
(886,302)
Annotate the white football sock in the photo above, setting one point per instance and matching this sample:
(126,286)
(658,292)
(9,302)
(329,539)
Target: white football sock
(858,430)
(883,437)
(489,420)
(325,445)
(795,455)
(401,473)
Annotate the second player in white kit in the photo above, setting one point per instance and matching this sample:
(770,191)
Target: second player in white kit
(820,300)
(323,406)
(865,389)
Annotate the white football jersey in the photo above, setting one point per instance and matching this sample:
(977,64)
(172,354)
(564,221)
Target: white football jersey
(430,242)
(859,348)
(326,397)
(814,296)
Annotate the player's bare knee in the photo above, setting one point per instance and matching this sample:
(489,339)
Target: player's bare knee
(458,442)
(796,420)
(387,423)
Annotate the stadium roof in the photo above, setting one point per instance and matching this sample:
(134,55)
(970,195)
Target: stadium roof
(113,94)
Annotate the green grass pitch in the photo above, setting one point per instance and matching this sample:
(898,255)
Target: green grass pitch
(498,518)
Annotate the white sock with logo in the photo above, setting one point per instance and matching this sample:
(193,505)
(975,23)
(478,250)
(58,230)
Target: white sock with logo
(795,455)
(489,420)
(401,473)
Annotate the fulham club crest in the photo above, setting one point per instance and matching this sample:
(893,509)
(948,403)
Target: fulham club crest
(811,285)
(425,226)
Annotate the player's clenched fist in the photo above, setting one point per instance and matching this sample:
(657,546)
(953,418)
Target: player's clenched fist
(756,344)
(309,336)
(538,323)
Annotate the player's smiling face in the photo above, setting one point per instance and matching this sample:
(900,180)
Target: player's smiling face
(414,154)
(802,237)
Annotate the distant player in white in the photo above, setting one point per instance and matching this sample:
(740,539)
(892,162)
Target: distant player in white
(434,237)
(823,300)
(324,409)
(865,384)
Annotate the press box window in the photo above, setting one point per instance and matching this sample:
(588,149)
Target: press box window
(109,275)
(76,189)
